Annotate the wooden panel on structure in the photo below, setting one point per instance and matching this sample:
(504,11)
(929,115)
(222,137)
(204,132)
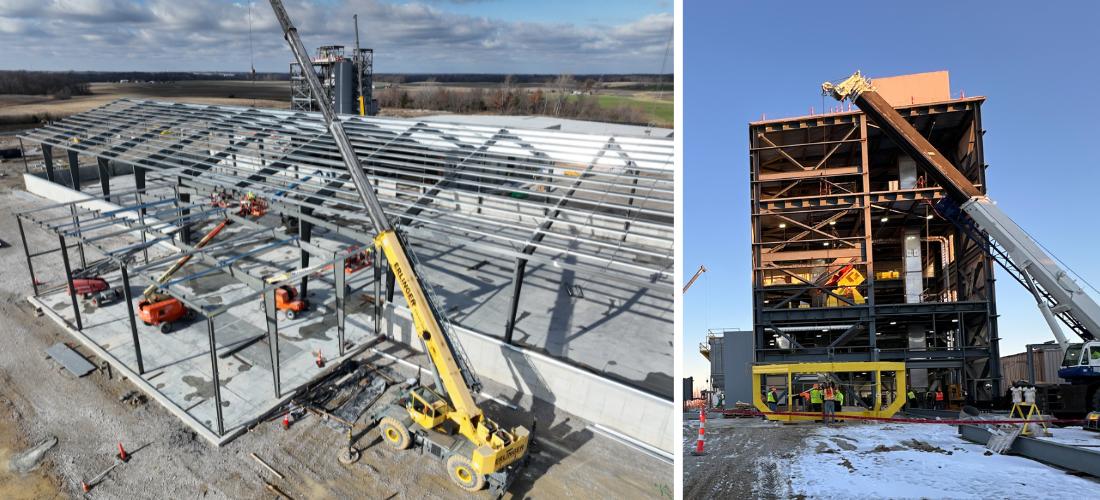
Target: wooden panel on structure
(832,253)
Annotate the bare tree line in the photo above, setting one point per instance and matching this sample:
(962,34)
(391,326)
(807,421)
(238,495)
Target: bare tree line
(59,85)
(509,99)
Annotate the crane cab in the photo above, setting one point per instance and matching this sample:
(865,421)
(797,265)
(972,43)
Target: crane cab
(1081,361)
(427,408)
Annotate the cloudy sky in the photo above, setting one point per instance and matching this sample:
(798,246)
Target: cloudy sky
(462,36)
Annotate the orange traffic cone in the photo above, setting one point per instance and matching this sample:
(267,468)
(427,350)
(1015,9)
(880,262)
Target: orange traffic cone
(320,361)
(122,455)
(702,433)
(286,421)
(85,487)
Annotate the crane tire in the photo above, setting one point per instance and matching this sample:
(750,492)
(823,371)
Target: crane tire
(462,472)
(394,433)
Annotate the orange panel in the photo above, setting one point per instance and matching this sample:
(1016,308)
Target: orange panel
(919,88)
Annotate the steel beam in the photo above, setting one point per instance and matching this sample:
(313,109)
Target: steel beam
(1075,458)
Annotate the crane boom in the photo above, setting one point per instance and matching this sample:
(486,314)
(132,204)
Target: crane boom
(1056,293)
(493,448)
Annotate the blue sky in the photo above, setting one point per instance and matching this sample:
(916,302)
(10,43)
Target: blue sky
(1038,64)
(454,36)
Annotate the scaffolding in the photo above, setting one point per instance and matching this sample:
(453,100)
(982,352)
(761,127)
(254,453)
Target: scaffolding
(852,262)
(596,205)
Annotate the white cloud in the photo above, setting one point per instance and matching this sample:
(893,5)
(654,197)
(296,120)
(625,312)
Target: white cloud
(214,35)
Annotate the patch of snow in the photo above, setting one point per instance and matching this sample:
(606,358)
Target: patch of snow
(918,461)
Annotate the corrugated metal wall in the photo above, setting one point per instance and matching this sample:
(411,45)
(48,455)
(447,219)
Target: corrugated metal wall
(1047,362)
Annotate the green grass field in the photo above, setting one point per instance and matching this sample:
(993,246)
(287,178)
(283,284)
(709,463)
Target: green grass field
(659,111)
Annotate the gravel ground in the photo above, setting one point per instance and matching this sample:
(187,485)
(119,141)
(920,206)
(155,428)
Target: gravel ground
(742,458)
(39,399)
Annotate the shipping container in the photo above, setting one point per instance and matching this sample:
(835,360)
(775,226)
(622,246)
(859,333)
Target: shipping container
(1046,361)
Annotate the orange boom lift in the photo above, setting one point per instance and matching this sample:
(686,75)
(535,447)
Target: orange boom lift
(158,308)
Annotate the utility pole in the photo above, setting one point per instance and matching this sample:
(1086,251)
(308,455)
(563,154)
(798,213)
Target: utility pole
(359,66)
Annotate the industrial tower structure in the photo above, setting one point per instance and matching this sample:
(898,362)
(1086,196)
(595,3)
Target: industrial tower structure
(851,261)
(340,75)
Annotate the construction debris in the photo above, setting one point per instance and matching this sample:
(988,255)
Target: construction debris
(70,359)
(28,460)
(266,466)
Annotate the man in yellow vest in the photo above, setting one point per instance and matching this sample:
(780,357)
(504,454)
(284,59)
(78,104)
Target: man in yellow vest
(815,399)
(912,398)
(772,399)
(839,400)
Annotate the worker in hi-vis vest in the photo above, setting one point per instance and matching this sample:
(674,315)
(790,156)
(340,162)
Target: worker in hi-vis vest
(815,399)
(911,398)
(830,402)
(839,400)
(772,399)
(939,399)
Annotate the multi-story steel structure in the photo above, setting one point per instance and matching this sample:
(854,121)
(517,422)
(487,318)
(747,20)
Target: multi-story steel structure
(340,76)
(830,194)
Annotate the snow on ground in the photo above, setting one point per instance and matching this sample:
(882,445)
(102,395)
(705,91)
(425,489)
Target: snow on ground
(918,461)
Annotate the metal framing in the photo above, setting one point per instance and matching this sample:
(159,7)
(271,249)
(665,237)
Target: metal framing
(828,191)
(604,201)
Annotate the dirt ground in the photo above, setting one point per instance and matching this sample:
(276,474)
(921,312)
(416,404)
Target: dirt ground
(39,399)
(740,459)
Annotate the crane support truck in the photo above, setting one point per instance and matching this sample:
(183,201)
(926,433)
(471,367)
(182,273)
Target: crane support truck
(1057,295)
(448,424)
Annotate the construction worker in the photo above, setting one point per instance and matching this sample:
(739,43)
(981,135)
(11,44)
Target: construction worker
(830,399)
(939,399)
(839,400)
(911,398)
(815,399)
(772,399)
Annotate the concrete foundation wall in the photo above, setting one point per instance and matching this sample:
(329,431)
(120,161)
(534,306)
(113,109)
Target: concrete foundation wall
(88,173)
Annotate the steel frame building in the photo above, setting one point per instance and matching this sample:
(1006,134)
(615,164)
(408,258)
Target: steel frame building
(830,191)
(326,64)
(600,205)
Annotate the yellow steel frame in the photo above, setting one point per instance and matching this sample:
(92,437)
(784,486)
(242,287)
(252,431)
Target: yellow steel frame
(793,369)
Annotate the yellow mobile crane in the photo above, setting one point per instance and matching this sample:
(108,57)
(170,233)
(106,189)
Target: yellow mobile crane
(482,451)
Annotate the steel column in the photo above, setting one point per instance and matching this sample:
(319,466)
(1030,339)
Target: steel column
(47,156)
(341,303)
(104,166)
(128,297)
(216,381)
(69,278)
(377,264)
(27,252)
(305,232)
(74,169)
(273,340)
(513,307)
